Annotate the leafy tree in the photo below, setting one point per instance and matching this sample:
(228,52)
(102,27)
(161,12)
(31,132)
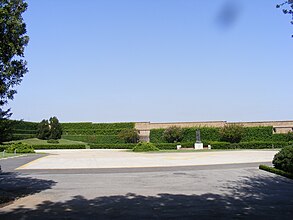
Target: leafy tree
(12,43)
(287,8)
(173,134)
(43,131)
(55,128)
(232,133)
(12,66)
(129,135)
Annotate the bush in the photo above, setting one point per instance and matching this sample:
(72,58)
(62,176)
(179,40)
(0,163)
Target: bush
(290,136)
(284,159)
(52,141)
(104,126)
(55,128)
(232,133)
(112,146)
(145,147)
(129,136)
(92,131)
(59,146)
(173,134)
(20,148)
(276,171)
(43,131)
(95,139)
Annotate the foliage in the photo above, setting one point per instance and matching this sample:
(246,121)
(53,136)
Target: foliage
(55,128)
(284,159)
(129,135)
(5,130)
(52,141)
(248,145)
(20,148)
(59,146)
(98,139)
(173,134)
(112,146)
(287,8)
(89,125)
(12,43)
(92,131)
(290,136)
(232,133)
(43,131)
(276,171)
(145,147)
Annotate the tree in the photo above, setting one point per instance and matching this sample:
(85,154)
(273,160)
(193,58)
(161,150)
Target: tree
(12,67)
(55,128)
(129,135)
(43,131)
(173,134)
(287,8)
(232,133)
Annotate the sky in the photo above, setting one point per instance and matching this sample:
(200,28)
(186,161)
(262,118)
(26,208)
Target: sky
(156,60)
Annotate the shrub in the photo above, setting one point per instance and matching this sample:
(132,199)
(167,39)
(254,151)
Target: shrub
(173,134)
(144,147)
(290,136)
(20,148)
(90,125)
(43,131)
(55,128)
(52,141)
(129,136)
(112,146)
(276,171)
(284,159)
(232,133)
(59,146)
(97,139)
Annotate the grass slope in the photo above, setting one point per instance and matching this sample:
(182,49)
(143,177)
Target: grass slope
(35,141)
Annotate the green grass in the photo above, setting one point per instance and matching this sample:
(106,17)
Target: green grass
(35,141)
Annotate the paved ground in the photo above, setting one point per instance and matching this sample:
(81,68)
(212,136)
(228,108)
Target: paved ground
(78,159)
(239,191)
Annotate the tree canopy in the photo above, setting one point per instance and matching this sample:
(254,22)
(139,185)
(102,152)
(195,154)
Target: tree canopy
(287,8)
(13,40)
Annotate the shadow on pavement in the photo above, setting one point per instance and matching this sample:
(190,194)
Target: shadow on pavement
(262,197)
(13,186)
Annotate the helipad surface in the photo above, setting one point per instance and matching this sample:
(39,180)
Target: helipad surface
(94,158)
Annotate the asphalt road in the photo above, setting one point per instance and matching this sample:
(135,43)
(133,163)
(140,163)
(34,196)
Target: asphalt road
(239,191)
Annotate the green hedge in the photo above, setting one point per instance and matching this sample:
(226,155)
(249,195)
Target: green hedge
(249,145)
(92,131)
(60,146)
(21,131)
(16,137)
(276,171)
(98,139)
(24,125)
(112,146)
(89,125)
(213,134)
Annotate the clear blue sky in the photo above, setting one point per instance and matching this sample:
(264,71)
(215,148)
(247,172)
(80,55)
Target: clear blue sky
(156,60)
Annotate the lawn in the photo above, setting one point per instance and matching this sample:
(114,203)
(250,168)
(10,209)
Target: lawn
(35,141)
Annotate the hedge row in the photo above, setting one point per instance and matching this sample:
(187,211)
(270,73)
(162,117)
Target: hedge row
(112,146)
(213,134)
(97,139)
(21,131)
(16,137)
(276,171)
(24,125)
(92,131)
(89,125)
(59,146)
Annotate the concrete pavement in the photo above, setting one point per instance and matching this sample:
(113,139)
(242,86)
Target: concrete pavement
(93,158)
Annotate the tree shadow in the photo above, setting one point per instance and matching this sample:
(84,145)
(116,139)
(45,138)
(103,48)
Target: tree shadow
(262,197)
(13,186)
